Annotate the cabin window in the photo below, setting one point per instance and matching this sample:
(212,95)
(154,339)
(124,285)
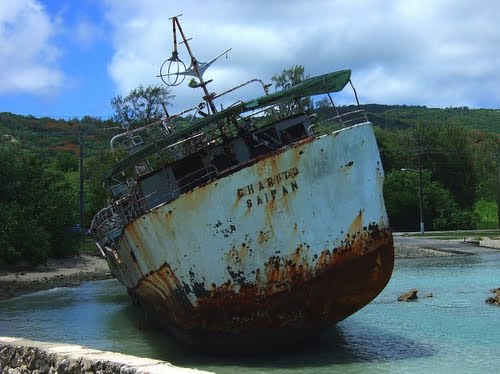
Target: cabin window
(262,142)
(225,159)
(190,172)
(292,134)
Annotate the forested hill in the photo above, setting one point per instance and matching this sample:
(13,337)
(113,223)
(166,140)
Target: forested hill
(46,137)
(395,116)
(402,117)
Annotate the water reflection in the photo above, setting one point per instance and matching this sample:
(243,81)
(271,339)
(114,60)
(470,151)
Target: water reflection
(349,342)
(341,345)
(386,335)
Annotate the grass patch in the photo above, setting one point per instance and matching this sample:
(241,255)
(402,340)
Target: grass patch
(487,213)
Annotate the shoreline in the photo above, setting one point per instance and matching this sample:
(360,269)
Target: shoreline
(66,272)
(71,272)
(422,250)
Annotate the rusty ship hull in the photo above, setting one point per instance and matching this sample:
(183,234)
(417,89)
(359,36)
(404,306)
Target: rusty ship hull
(243,225)
(289,243)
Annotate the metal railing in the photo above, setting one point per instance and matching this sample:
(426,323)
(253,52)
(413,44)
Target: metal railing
(347,119)
(108,223)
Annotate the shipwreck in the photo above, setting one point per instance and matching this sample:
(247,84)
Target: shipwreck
(248,225)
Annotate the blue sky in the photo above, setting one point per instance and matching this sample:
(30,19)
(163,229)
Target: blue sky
(66,71)
(69,58)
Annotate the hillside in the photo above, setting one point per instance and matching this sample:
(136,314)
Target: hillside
(486,120)
(46,137)
(402,117)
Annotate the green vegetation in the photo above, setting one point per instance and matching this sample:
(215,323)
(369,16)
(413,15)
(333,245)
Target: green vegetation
(40,175)
(142,105)
(46,138)
(40,167)
(441,211)
(400,117)
(487,213)
(287,79)
(37,209)
(39,189)
(459,176)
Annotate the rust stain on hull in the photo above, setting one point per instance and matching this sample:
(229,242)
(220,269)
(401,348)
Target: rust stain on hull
(295,294)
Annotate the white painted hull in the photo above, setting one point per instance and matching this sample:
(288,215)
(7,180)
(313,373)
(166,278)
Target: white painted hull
(298,239)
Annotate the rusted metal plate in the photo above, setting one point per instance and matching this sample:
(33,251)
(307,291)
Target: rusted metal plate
(345,280)
(298,239)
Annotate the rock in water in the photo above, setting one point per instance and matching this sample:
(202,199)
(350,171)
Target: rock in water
(495,300)
(409,296)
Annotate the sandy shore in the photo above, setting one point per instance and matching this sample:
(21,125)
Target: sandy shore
(67,272)
(72,271)
(417,247)
(428,248)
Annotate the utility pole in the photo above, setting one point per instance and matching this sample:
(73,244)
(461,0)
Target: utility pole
(497,158)
(419,150)
(81,178)
(421,193)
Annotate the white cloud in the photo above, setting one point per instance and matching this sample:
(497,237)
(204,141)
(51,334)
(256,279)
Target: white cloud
(435,53)
(27,55)
(86,33)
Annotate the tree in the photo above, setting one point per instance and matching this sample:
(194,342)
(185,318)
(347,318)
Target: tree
(445,149)
(66,162)
(394,149)
(96,167)
(21,236)
(141,106)
(287,79)
(323,103)
(485,150)
(59,211)
(37,209)
(441,211)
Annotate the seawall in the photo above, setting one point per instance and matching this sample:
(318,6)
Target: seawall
(19,356)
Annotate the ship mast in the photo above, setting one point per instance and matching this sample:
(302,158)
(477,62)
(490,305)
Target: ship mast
(177,71)
(194,65)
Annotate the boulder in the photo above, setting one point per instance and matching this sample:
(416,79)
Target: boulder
(409,296)
(495,300)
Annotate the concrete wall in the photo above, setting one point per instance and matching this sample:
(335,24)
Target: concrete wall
(19,356)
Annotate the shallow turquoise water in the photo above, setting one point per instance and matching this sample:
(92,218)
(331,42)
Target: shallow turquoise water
(454,331)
